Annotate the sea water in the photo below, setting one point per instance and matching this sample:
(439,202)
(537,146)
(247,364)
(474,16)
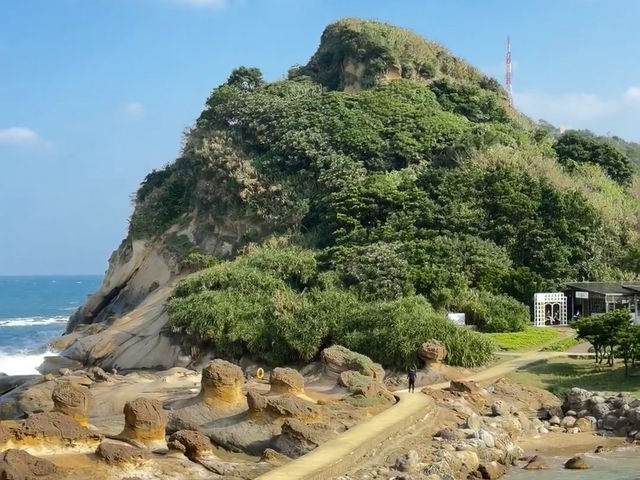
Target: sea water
(622,464)
(33,311)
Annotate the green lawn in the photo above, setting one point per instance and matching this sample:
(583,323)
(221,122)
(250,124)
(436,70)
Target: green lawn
(529,339)
(560,374)
(563,345)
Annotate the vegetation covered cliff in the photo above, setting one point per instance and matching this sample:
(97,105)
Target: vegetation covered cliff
(355,201)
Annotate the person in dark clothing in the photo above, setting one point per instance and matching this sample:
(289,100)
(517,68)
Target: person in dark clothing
(412,379)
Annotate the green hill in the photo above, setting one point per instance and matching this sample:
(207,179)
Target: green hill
(391,181)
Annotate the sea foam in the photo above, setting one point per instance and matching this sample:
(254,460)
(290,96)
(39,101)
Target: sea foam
(31,321)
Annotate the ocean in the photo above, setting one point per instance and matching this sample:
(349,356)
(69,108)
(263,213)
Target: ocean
(34,310)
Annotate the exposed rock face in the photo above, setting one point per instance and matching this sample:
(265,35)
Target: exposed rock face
(256,401)
(432,351)
(286,380)
(119,454)
(194,444)
(578,462)
(145,422)
(222,384)
(72,400)
(19,465)
(338,359)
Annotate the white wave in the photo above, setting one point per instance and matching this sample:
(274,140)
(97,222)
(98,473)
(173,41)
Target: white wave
(31,321)
(22,364)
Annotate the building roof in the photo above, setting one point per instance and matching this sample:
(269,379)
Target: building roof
(606,288)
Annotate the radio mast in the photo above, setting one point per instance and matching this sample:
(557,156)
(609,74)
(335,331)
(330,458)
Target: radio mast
(508,72)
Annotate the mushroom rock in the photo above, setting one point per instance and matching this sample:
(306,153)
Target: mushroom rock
(286,380)
(145,422)
(194,444)
(432,351)
(222,384)
(71,400)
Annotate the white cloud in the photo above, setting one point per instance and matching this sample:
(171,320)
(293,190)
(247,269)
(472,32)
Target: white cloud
(632,96)
(565,108)
(18,136)
(133,109)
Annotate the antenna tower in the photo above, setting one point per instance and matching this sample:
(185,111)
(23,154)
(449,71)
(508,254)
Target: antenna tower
(508,72)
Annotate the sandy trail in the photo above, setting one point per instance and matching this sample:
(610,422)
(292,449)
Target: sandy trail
(336,456)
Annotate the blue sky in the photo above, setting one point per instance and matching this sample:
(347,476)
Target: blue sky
(96,93)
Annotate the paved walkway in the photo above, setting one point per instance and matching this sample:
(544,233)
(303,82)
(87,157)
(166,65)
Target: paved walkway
(342,453)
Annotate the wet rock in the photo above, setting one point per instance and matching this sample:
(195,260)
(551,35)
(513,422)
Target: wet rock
(337,359)
(120,454)
(222,384)
(19,465)
(71,400)
(536,463)
(492,470)
(196,445)
(407,462)
(432,351)
(145,422)
(286,380)
(274,458)
(578,462)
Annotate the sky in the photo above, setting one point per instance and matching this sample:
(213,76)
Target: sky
(94,94)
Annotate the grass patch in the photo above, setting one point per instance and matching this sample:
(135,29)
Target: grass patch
(563,345)
(529,339)
(559,374)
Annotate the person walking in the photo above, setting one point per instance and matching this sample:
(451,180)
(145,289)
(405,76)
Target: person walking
(412,379)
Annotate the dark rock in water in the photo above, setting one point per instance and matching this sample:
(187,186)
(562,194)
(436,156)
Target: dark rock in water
(578,462)
(536,463)
(53,364)
(19,465)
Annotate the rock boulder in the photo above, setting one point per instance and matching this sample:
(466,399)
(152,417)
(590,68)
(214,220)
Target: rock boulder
(286,380)
(222,384)
(338,359)
(19,465)
(578,462)
(195,444)
(72,400)
(145,422)
(432,351)
(120,454)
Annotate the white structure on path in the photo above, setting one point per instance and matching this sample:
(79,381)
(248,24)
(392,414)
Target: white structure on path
(549,309)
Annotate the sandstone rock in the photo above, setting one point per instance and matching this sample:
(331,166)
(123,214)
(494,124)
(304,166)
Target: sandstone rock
(492,470)
(568,422)
(256,401)
(499,408)
(578,462)
(222,384)
(98,374)
(536,463)
(298,438)
(53,364)
(584,425)
(120,454)
(292,406)
(474,422)
(71,400)
(19,465)
(407,462)
(274,458)
(55,428)
(446,434)
(432,351)
(286,380)
(337,359)
(196,445)
(487,439)
(145,422)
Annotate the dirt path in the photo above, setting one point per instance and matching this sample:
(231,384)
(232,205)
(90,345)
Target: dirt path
(339,455)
